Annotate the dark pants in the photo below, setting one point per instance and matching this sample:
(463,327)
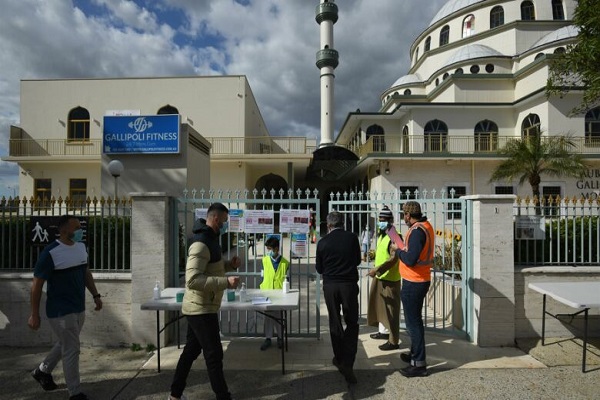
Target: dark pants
(344,297)
(413,295)
(202,334)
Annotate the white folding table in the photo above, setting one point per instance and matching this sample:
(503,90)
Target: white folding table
(279,301)
(581,295)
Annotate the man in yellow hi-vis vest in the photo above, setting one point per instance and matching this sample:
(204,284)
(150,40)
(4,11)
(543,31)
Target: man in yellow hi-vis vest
(384,295)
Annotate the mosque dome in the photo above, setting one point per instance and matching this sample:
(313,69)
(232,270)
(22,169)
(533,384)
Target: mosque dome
(472,51)
(565,32)
(451,7)
(411,78)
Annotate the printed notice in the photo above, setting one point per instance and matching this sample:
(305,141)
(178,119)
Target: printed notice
(259,221)
(294,221)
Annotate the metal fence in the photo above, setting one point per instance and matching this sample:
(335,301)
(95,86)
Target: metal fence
(106,224)
(446,305)
(557,231)
(249,245)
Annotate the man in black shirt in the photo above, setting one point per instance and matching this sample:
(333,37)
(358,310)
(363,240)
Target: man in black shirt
(338,256)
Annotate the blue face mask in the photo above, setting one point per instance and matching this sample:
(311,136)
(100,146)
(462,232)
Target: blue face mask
(272,254)
(382,225)
(77,235)
(224,228)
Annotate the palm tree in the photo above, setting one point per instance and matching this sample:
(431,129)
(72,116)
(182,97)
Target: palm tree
(532,156)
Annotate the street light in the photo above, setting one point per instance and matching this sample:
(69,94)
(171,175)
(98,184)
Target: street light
(115,167)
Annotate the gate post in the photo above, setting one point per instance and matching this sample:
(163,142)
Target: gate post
(491,281)
(151,249)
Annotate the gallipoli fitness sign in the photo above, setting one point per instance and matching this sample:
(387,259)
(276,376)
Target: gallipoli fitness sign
(590,184)
(141,134)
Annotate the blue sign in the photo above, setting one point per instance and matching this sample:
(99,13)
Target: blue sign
(141,134)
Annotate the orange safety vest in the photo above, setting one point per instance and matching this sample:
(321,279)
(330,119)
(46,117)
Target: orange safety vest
(421,271)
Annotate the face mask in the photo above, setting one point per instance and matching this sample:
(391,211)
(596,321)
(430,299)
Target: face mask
(224,228)
(382,225)
(77,235)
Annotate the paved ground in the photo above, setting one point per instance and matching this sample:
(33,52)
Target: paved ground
(458,370)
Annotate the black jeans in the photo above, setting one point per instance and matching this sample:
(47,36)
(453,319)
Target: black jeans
(343,296)
(202,334)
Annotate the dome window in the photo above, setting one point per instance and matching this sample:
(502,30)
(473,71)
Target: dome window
(428,43)
(446,75)
(437,81)
(468,26)
(474,69)
(407,92)
(444,35)
(539,55)
(527,11)
(559,50)
(489,68)
(459,71)
(496,17)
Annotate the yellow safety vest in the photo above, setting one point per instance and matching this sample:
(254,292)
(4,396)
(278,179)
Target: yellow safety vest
(381,256)
(273,279)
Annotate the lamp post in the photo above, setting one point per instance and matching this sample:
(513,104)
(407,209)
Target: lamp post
(115,167)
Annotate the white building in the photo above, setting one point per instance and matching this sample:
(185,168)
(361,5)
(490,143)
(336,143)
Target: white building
(477,79)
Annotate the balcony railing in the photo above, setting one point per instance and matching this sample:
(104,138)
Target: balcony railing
(54,147)
(442,145)
(261,145)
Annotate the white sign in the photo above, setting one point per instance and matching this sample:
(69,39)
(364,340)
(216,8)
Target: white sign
(122,113)
(299,245)
(294,221)
(259,221)
(530,227)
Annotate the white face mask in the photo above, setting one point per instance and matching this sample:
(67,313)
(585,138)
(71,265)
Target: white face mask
(382,225)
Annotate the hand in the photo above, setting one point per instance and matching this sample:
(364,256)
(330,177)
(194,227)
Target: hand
(372,272)
(233,282)
(393,246)
(34,322)
(236,262)
(98,302)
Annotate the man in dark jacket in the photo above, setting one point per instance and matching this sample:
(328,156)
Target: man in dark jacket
(338,256)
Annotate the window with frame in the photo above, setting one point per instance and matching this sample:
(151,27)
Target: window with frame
(530,126)
(378,134)
(42,192)
(468,26)
(592,127)
(168,109)
(78,127)
(78,191)
(486,136)
(527,11)
(549,195)
(496,17)
(405,140)
(416,54)
(435,136)
(455,209)
(504,190)
(408,192)
(427,44)
(558,11)
(444,35)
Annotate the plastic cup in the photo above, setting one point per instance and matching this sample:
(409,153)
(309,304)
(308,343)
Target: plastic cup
(179,296)
(230,295)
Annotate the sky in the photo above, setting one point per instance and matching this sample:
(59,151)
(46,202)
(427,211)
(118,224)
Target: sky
(272,42)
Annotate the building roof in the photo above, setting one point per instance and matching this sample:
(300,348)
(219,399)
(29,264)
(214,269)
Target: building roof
(566,32)
(410,78)
(471,51)
(451,7)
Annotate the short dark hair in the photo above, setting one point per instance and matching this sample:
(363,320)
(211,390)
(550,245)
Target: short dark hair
(63,221)
(272,242)
(217,208)
(335,219)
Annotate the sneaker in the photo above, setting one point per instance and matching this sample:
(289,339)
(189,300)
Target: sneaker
(387,346)
(79,396)
(405,357)
(379,335)
(411,371)
(279,343)
(266,344)
(44,379)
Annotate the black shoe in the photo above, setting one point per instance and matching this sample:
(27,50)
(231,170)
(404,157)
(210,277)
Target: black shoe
(380,335)
(266,344)
(411,371)
(405,357)
(279,343)
(387,346)
(79,396)
(44,379)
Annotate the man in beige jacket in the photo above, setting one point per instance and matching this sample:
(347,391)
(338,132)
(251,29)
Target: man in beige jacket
(205,282)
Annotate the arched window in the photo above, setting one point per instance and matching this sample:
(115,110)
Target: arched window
(407,92)
(530,126)
(435,136)
(539,55)
(444,35)
(468,26)
(377,133)
(486,136)
(168,109)
(417,54)
(459,71)
(496,17)
(527,11)
(428,43)
(592,127)
(78,128)
(405,141)
(559,50)
(558,12)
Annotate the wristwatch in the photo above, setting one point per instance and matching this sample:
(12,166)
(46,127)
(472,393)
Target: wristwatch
(97,296)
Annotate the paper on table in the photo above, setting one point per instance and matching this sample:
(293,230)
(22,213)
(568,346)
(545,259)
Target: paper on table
(261,300)
(393,234)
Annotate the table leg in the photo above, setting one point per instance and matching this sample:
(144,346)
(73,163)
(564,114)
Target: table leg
(158,338)
(543,319)
(283,325)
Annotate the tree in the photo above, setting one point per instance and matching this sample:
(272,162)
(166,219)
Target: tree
(578,68)
(533,156)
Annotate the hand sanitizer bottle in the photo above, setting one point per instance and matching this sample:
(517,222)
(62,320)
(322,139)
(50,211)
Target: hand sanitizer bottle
(243,292)
(156,294)
(286,285)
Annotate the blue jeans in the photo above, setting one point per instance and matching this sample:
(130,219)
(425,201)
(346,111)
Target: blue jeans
(412,296)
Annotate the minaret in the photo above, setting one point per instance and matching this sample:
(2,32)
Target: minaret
(327,60)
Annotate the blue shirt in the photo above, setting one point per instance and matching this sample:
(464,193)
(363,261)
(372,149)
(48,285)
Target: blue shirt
(64,268)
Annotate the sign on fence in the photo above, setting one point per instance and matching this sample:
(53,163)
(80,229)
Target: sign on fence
(44,230)
(530,227)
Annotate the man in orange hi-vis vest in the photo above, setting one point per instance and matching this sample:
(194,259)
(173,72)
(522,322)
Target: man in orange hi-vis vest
(416,260)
